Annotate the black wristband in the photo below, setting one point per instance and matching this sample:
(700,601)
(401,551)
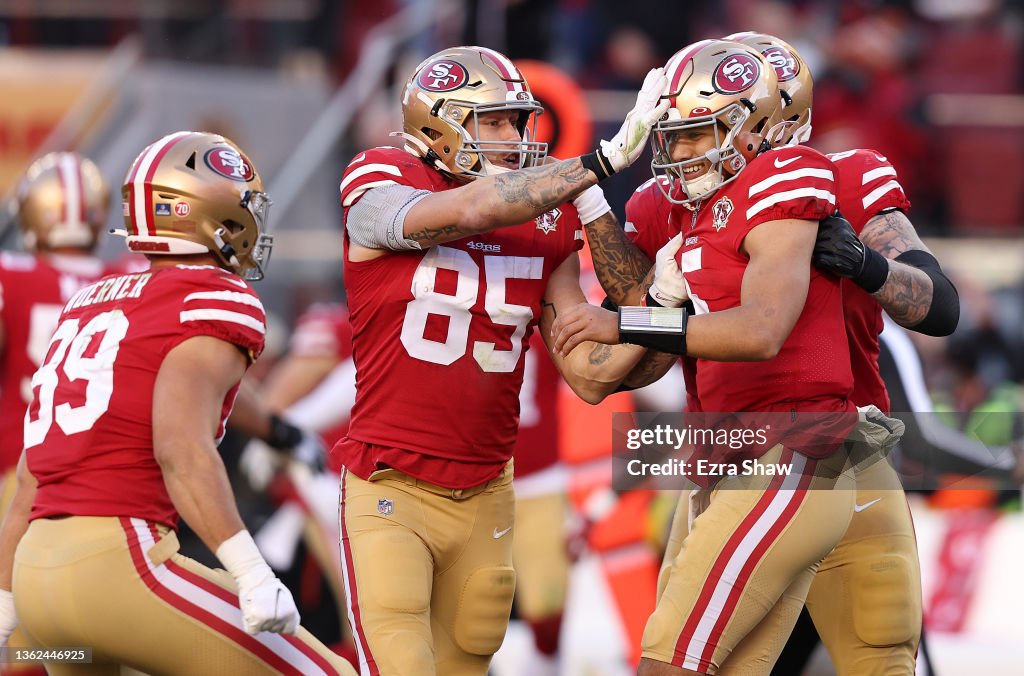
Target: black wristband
(874,272)
(597,163)
(283,435)
(659,328)
(651,301)
(944,311)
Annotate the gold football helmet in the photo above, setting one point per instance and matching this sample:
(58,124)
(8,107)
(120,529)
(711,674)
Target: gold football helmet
(795,84)
(193,193)
(444,96)
(728,87)
(62,202)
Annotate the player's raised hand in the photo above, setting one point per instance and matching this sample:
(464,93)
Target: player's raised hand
(584,322)
(626,146)
(8,617)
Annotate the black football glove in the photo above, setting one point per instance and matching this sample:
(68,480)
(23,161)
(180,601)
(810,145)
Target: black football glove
(301,445)
(839,251)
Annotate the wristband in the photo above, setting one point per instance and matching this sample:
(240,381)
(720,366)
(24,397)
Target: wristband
(240,555)
(283,435)
(597,163)
(591,204)
(874,272)
(662,329)
(649,300)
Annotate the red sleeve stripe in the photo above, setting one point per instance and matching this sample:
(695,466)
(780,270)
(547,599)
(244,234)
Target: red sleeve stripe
(228,297)
(208,314)
(806,172)
(778,197)
(877,193)
(369,169)
(876,173)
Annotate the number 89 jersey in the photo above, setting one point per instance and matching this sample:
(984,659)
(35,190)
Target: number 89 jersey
(439,335)
(89,428)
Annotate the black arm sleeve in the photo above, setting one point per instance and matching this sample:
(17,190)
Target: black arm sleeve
(944,312)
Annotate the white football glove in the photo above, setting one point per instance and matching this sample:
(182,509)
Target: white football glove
(626,146)
(259,463)
(669,288)
(8,617)
(266,603)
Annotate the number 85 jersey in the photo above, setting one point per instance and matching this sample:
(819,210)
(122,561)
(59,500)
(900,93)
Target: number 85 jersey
(439,334)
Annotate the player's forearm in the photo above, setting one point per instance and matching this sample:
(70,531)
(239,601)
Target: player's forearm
(14,525)
(744,333)
(199,488)
(594,371)
(623,270)
(906,295)
(651,368)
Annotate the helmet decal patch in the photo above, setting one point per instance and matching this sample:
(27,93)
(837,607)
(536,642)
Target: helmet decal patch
(163,208)
(720,213)
(229,163)
(182,209)
(785,64)
(736,74)
(443,76)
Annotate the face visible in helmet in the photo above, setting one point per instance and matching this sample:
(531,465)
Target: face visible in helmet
(62,203)
(460,107)
(197,193)
(723,99)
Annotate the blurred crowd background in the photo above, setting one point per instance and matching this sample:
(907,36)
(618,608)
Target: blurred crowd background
(937,86)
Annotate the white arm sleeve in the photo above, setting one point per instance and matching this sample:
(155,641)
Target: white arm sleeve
(377,220)
(330,403)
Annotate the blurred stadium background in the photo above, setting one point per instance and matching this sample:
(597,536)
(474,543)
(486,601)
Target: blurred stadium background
(935,85)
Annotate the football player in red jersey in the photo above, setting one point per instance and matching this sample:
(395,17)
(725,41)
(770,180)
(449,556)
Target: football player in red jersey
(62,202)
(121,435)
(456,246)
(748,226)
(866,597)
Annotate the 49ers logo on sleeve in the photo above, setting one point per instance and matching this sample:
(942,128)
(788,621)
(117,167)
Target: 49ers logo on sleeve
(443,76)
(229,163)
(785,64)
(720,213)
(736,74)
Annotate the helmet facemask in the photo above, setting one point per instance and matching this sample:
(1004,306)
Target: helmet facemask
(233,237)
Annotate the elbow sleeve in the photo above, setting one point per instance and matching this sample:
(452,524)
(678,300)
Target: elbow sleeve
(944,311)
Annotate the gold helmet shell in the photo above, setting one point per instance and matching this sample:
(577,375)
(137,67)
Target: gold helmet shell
(441,102)
(62,202)
(727,87)
(193,193)
(795,84)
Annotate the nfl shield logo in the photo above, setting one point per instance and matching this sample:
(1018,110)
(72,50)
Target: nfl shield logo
(385,506)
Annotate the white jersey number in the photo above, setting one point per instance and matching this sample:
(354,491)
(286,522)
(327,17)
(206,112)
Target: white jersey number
(68,363)
(42,322)
(690,261)
(457,307)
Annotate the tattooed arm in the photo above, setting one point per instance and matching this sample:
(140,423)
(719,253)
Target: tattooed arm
(624,271)
(494,202)
(907,292)
(592,370)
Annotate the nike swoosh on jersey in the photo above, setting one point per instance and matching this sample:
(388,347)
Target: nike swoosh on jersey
(498,533)
(779,164)
(237,282)
(861,508)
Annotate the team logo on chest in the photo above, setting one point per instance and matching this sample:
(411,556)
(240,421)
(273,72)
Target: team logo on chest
(547,223)
(720,213)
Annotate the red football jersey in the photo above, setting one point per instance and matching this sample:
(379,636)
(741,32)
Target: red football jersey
(537,444)
(867,185)
(438,335)
(812,370)
(324,330)
(33,289)
(649,224)
(88,431)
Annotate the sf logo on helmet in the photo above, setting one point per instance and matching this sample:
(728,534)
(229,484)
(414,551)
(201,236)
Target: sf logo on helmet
(736,74)
(229,163)
(785,65)
(443,76)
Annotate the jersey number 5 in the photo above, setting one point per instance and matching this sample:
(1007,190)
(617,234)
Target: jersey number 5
(457,307)
(67,361)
